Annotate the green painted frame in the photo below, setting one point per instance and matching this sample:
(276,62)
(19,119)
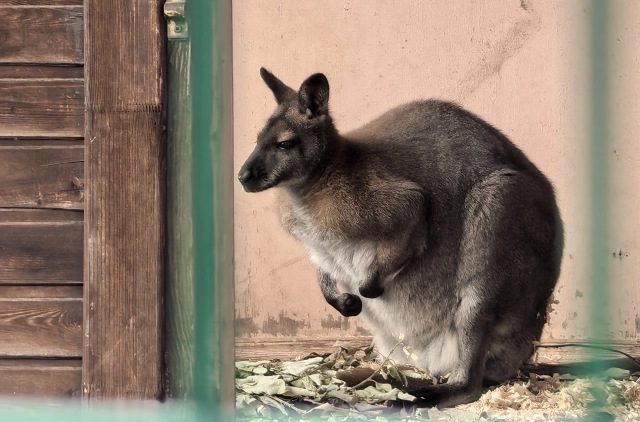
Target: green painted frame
(200,290)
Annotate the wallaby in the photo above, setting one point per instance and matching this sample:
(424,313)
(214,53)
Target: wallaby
(444,227)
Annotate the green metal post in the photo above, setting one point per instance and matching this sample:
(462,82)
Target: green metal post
(212,148)
(599,156)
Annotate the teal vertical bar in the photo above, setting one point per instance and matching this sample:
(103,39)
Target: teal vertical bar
(212,146)
(599,176)
(599,180)
(199,14)
(179,318)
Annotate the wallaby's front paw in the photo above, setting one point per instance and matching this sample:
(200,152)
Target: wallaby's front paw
(371,290)
(348,305)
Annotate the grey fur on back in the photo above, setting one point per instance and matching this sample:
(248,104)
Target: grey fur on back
(437,226)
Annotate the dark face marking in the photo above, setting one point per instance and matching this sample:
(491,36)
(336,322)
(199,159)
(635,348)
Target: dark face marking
(293,141)
(288,149)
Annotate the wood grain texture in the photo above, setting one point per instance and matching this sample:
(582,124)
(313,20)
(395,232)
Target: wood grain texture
(41,107)
(25,215)
(41,377)
(40,292)
(36,250)
(180,278)
(125,199)
(290,348)
(565,354)
(41,142)
(40,327)
(41,35)
(41,2)
(41,72)
(42,177)
(130,66)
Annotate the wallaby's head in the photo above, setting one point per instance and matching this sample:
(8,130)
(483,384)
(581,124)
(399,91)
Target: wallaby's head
(293,143)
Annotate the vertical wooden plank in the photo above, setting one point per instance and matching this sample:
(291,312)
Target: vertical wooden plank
(125,199)
(180,307)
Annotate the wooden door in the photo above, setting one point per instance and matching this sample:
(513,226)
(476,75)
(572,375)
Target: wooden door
(41,196)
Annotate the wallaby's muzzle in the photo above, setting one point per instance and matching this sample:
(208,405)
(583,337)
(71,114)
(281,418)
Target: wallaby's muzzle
(252,174)
(244,175)
(248,179)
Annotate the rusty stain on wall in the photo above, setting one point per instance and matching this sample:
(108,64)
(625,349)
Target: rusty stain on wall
(283,325)
(340,323)
(246,326)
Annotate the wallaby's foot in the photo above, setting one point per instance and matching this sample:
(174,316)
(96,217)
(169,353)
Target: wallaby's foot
(445,395)
(347,304)
(371,288)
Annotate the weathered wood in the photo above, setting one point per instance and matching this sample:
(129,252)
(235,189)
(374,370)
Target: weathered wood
(41,72)
(40,292)
(293,348)
(40,142)
(42,377)
(47,177)
(41,107)
(41,2)
(180,303)
(25,215)
(565,354)
(125,56)
(125,199)
(40,327)
(41,35)
(40,252)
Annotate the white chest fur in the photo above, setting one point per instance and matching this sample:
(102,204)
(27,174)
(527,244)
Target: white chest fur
(348,262)
(345,260)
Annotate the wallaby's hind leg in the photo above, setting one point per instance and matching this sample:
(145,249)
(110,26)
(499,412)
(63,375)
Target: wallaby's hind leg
(508,265)
(465,382)
(507,354)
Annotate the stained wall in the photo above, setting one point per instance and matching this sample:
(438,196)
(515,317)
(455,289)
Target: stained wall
(520,64)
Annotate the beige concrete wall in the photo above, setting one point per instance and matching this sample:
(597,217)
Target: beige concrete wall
(517,63)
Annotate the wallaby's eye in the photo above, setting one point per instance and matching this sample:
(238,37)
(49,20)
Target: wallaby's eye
(285,145)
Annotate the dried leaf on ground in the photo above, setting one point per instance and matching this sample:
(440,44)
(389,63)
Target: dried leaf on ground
(308,389)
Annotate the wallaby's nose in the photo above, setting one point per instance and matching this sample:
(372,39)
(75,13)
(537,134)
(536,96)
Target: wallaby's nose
(244,175)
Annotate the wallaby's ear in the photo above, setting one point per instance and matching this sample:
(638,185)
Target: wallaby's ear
(314,95)
(279,89)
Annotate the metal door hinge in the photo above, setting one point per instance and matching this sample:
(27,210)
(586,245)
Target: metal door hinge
(176,21)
